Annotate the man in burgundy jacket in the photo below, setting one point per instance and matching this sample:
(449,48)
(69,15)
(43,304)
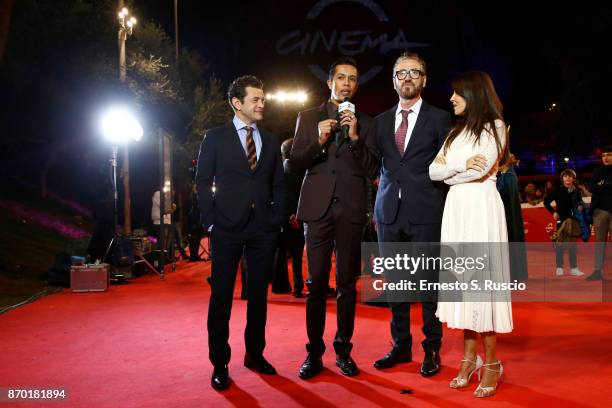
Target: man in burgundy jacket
(333,207)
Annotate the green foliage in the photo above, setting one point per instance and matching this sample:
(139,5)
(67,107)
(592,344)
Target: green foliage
(147,80)
(210,109)
(61,61)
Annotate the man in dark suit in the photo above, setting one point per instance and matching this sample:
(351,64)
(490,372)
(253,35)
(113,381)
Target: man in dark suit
(245,211)
(601,209)
(408,204)
(333,206)
(292,237)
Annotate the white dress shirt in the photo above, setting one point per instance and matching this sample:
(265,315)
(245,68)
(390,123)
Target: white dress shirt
(242,134)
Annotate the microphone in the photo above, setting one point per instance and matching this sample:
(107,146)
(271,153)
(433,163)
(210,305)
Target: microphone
(346,105)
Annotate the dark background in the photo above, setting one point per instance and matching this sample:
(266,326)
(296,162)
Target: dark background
(537,53)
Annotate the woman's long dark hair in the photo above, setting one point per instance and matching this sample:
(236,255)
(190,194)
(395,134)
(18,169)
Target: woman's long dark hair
(483,107)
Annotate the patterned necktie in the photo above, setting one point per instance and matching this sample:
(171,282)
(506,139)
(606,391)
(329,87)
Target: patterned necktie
(251,150)
(402,130)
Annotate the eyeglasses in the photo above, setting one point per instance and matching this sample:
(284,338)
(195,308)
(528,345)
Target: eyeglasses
(413,73)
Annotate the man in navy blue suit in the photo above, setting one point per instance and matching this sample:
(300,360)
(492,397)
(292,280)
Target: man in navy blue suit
(244,213)
(409,205)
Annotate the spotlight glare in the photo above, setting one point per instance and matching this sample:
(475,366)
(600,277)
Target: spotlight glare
(125,11)
(287,96)
(119,126)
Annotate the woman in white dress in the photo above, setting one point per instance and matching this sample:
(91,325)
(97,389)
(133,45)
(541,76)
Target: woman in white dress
(474,212)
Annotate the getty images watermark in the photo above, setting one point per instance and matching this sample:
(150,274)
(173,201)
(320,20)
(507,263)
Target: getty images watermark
(474,272)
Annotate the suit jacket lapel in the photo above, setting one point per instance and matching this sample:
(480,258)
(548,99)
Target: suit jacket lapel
(389,123)
(418,126)
(322,109)
(330,144)
(265,147)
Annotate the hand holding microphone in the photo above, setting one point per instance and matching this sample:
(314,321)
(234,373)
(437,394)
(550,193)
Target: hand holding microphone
(348,120)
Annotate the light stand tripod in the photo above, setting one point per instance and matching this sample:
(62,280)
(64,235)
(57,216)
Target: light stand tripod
(139,254)
(113,163)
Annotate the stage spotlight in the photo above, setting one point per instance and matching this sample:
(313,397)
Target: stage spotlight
(119,126)
(286,96)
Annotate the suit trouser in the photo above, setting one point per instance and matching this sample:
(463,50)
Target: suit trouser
(404,231)
(258,246)
(194,245)
(291,241)
(296,250)
(602,222)
(333,230)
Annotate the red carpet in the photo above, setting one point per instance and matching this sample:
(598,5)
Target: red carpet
(144,345)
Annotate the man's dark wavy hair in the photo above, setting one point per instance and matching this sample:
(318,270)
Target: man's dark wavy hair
(237,88)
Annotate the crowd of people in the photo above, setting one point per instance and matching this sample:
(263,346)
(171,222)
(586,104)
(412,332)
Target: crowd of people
(535,194)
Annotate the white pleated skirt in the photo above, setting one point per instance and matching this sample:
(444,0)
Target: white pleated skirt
(474,212)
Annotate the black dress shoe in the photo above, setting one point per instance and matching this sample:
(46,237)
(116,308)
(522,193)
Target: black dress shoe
(595,276)
(259,364)
(220,378)
(431,364)
(347,366)
(311,366)
(394,357)
(297,294)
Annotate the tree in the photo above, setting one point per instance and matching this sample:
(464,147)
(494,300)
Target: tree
(61,62)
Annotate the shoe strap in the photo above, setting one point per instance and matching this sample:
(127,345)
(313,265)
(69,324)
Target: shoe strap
(486,390)
(467,360)
(486,366)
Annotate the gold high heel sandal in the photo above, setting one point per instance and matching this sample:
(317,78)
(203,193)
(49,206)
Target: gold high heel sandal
(483,392)
(459,382)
